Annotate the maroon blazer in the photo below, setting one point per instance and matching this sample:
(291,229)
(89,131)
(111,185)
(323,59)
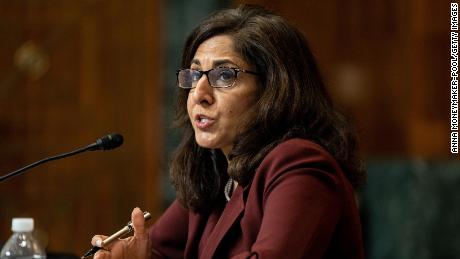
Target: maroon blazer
(298,205)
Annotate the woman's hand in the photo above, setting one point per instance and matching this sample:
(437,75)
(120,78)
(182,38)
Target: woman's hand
(136,247)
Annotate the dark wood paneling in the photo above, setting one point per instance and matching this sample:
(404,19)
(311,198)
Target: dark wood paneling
(105,75)
(386,63)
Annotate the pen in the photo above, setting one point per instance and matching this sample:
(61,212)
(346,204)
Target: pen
(125,230)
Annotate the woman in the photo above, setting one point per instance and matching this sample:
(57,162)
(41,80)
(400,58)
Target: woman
(266,166)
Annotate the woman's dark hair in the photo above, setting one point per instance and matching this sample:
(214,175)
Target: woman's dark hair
(292,102)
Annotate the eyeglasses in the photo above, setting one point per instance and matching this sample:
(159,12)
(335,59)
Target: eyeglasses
(219,77)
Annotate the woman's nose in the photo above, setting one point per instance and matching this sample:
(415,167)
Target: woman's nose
(203,93)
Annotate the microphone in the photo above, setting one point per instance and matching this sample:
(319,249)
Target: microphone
(108,142)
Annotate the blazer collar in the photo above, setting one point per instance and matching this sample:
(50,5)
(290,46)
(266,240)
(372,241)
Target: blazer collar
(231,213)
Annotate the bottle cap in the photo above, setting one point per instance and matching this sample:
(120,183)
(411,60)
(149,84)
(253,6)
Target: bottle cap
(22,224)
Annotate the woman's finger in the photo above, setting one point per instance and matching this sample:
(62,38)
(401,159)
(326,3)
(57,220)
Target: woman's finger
(114,250)
(138,246)
(97,240)
(137,217)
(102,254)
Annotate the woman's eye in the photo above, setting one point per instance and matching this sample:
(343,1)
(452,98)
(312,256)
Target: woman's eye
(196,76)
(226,75)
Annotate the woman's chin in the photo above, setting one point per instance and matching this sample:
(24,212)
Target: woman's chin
(204,143)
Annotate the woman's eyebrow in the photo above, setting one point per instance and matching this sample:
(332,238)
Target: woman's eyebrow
(215,63)
(219,62)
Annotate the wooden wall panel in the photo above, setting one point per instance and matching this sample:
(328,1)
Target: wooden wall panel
(429,57)
(385,63)
(105,75)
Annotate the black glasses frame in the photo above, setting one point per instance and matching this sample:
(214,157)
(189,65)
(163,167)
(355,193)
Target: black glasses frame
(236,70)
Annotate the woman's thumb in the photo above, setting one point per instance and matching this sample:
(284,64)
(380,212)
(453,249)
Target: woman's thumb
(137,217)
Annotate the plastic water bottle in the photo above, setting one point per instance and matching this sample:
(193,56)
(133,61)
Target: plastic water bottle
(22,244)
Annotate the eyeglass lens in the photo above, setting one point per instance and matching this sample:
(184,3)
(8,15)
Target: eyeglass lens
(217,77)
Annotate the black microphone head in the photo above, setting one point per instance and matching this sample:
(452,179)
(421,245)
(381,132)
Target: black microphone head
(110,141)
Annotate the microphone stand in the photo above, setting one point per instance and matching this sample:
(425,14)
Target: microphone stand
(71,153)
(108,142)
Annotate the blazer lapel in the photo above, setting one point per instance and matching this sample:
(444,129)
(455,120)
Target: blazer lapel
(230,214)
(196,224)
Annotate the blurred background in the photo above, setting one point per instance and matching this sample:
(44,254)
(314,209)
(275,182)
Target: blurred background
(72,71)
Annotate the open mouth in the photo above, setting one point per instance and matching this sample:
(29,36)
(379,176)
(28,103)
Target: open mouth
(203,121)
